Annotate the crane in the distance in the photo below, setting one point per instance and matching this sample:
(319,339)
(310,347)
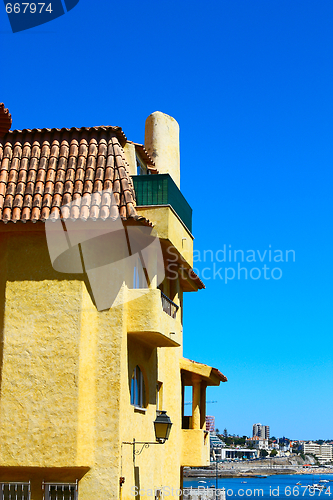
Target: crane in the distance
(190,402)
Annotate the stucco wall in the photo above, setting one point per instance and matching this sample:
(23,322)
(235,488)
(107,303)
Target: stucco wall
(60,373)
(65,376)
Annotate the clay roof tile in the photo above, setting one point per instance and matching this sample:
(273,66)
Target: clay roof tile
(42,171)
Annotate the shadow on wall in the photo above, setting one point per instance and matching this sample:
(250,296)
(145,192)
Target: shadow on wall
(3,276)
(137,481)
(2,321)
(25,252)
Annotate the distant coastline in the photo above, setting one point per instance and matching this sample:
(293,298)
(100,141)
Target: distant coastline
(227,472)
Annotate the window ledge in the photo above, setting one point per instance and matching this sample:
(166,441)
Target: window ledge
(139,409)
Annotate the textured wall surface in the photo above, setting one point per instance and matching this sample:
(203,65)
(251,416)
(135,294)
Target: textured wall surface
(66,370)
(162,143)
(170,228)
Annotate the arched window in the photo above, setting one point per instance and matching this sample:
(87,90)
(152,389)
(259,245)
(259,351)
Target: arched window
(138,393)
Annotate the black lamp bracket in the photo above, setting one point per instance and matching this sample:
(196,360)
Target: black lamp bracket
(145,444)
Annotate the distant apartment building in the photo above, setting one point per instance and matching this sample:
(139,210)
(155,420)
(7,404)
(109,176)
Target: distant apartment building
(257,442)
(210,423)
(326,452)
(216,445)
(311,448)
(261,431)
(323,452)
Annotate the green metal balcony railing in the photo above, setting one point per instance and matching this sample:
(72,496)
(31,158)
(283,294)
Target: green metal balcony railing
(160,189)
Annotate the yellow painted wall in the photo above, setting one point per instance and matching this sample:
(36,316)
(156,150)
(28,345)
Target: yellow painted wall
(65,375)
(60,374)
(156,328)
(195,447)
(169,227)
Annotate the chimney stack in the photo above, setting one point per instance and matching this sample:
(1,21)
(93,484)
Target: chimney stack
(162,144)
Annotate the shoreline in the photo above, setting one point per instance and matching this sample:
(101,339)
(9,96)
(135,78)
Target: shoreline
(228,473)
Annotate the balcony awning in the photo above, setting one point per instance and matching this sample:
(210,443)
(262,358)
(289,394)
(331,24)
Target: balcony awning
(210,375)
(192,281)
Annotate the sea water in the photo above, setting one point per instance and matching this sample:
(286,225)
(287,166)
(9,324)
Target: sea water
(276,486)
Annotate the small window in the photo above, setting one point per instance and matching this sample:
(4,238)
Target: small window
(138,393)
(60,491)
(15,491)
(141,168)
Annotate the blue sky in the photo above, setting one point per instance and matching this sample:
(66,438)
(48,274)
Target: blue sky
(250,83)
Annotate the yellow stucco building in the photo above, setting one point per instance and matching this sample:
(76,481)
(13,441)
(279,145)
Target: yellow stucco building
(81,381)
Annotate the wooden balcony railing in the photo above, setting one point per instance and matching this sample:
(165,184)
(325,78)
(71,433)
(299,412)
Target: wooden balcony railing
(168,306)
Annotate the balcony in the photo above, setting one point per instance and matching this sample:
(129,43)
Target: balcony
(195,448)
(195,439)
(168,306)
(149,322)
(161,190)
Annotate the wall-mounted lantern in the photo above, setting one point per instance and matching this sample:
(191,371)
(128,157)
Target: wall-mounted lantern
(162,426)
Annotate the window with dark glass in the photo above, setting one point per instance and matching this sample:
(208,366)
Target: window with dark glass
(138,393)
(141,168)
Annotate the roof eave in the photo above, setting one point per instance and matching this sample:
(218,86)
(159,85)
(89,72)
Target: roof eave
(212,376)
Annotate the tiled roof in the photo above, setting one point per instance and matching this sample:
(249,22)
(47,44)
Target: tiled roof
(42,170)
(194,277)
(219,374)
(5,120)
(144,155)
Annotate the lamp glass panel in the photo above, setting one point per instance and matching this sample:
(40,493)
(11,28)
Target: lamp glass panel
(162,430)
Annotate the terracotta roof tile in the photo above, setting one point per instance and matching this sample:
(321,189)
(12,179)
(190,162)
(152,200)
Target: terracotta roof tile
(5,120)
(43,170)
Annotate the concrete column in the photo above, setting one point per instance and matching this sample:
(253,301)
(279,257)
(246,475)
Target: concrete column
(203,405)
(196,402)
(162,144)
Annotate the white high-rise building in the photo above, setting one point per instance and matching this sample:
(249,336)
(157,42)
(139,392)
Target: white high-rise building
(323,452)
(260,430)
